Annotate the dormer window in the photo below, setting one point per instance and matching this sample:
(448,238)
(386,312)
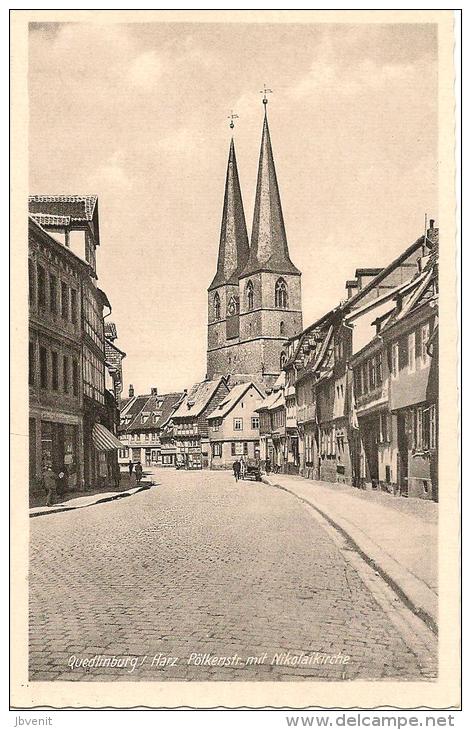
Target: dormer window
(281,294)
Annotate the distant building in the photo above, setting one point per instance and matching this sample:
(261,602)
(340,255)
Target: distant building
(143,420)
(190,423)
(234,426)
(272,415)
(254,299)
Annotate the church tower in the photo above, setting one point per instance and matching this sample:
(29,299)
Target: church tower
(268,306)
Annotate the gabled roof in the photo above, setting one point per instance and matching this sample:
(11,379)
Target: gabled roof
(197,399)
(233,242)
(35,227)
(271,402)
(146,407)
(268,246)
(232,398)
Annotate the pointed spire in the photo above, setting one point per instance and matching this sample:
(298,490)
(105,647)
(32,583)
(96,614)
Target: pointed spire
(268,247)
(234,242)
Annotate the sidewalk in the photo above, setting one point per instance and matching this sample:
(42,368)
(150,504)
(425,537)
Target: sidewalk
(87,500)
(397,536)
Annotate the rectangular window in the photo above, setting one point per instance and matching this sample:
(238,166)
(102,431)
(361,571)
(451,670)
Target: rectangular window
(65,300)
(55,370)
(395,359)
(372,368)
(357,381)
(74,305)
(41,287)
(424,338)
(43,366)
(65,373)
(215,425)
(365,377)
(75,377)
(411,352)
(31,281)
(53,294)
(255,423)
(217,449)
(32,363)
(238,424)
(433,426)
(379,368)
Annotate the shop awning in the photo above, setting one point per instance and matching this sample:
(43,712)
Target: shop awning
(103,439)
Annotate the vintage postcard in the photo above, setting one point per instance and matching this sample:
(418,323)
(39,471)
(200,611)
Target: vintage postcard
(234,416)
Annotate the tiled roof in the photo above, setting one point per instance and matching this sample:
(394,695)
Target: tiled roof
(145,407)
(77,207)
(232,398)
(197,399)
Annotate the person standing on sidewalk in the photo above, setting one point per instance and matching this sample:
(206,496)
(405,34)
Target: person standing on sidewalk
(138,472)
(236,469)
(50,485)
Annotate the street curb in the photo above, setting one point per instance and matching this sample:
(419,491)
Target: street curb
(118,495)
(412,591)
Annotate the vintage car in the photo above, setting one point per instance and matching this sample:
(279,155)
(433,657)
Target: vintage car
(253,470)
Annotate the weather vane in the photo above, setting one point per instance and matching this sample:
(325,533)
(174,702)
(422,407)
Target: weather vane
(265,91)
(232,116)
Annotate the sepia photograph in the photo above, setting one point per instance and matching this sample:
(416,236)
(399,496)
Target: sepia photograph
(237,422)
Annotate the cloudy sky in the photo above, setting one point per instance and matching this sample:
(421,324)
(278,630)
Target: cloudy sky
(137,114)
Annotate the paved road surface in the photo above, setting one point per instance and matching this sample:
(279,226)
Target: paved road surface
(202,566)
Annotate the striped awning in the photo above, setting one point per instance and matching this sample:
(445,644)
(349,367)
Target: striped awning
(103,439)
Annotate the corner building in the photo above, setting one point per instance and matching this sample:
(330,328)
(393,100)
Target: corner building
(254,300)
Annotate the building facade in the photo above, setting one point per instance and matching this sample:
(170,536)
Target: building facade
(73,417)
(142,425)
(190,423)
(254,300)
(234,426)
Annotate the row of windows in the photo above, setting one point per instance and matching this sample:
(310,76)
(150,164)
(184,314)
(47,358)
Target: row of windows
(56,372)
(238,424)
(369,375)
(93,376)
(148,436)
(411,351)
(281,299)
(53,294)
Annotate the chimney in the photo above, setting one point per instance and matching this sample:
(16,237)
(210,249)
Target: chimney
(364,276)
(432,235)
(154,391)
(131,391)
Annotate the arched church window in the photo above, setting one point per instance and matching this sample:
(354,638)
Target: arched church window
(281,294)
(282,328)
(282,360)
(217,306)
(250,296)
(232,307)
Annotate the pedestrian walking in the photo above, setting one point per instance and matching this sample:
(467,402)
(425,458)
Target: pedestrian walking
(50,484)
(130,467)
(236,469)
(243,467)
(138,472)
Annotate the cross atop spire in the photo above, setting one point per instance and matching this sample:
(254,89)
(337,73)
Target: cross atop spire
(232,116)
(233,242)
(265,91)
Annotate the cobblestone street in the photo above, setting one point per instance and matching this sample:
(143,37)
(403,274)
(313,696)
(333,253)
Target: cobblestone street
(199,565)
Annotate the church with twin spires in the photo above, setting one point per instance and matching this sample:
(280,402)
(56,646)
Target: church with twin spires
(254,299)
